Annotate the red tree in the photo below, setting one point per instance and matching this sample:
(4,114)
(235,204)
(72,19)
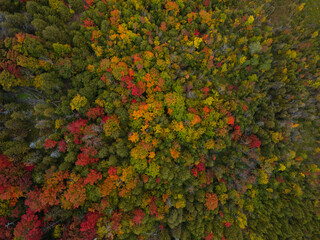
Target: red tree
(29,228)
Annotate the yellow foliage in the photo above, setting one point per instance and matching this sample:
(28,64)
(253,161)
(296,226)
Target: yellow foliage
(224,68)
(249,208)
(210,144)
(78,102)
(181,203)
(282,167)
(197,42)
(292,54)
(97,50)
(157,128)
(57,231)
(37,82)
(315,34)
(250,19)
(242,220)
(209,101)
(301,7)
(263,178)
(223,198)
(54,4)
(242,60)
(58,123)
(276,136)
(100,102)
(297,189)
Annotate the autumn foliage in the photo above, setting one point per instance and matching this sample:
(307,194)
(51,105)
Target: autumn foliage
(159,120)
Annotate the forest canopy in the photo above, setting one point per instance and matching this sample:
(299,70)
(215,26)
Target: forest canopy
(159,120)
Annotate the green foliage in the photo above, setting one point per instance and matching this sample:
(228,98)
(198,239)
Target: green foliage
(169,120)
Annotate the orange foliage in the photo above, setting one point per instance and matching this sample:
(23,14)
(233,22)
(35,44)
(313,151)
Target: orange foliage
(211,201)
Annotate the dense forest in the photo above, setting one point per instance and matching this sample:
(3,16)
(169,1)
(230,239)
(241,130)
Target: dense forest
(159,120)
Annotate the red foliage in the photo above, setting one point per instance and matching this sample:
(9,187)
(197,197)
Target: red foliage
(254,141)
(103,78)
(5,228)
(230,87)
(112,171)
(29,168)
(62,146)
(22,1)
(104,119)
(192,110)
(128,81)
(194,172)
(205,90)
(29,228)
(157,89)
(89,2)
(227,224)
(221,214)
(201,167)
(231,120)
(95,112)
(92,177)
(11,67)
(50,143)
(209,236)
(196,32)
(245,107)
(161,227)
(279,179)
(89,150)
(206,3)
(153,207)
(34,201)
(84,159)
(90,222)
(88,22)
(211,201)
(76,126)
(116,218)
(244,18)
(136,91)
(4,162)
(14,180)
(206,110)
(138,217)
(237,133)
(72,231)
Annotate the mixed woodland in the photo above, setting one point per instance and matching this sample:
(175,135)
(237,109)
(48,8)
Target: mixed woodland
(159,119)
